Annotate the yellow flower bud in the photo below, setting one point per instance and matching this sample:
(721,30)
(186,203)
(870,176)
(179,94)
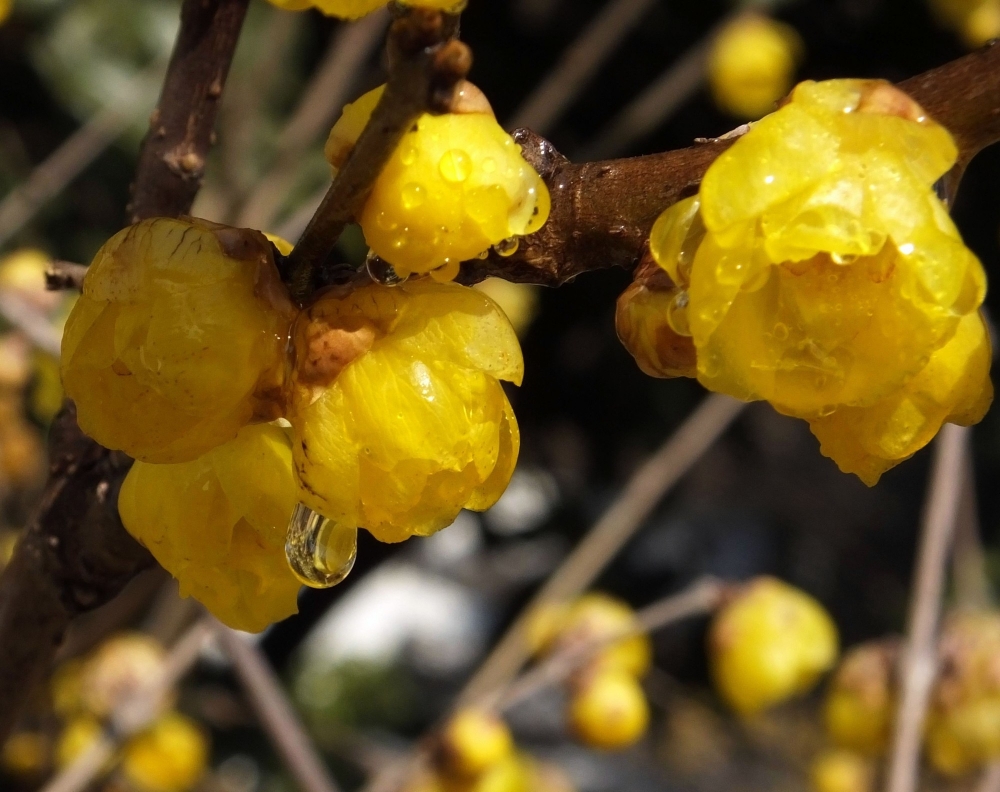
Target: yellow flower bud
(609,710)
(830,280)
(170,756)
(353,9)
(860,704)
(597,616)
(651,320)
(218,525)
(771,642)
(25,754)
(841,771)
(23,272)
(963,724)
(119,669)
(456,185)
(751,65)
(177,340)
(400,420)
(76,737)
(473,741)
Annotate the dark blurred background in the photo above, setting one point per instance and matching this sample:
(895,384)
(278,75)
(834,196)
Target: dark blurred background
(383,654)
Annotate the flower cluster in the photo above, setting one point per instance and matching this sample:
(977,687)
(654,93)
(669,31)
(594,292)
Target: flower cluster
(607,706)
(168,756)
(455,186)
(960,734)
(184,350)
(770,642)
(818,270)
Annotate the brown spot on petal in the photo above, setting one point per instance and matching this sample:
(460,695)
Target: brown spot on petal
(329,350)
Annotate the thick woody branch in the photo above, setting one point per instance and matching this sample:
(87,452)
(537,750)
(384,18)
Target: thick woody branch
(425,64)
(75,554)
(602,212)
(172,159)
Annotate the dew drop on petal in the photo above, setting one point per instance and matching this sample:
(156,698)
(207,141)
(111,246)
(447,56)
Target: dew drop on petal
(507,247)
(320,552)
(455,166)
(413,195)
(381,271)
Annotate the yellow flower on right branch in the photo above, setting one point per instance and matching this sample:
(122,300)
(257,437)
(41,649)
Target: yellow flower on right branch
(818,270)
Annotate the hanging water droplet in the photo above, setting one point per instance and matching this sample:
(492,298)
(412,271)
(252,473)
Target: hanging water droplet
(484,255)
(381,271)
(677,315)
(507,247)
(320,552)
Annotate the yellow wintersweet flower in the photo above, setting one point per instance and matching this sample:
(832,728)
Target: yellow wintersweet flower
(353,9)
(169,756)
(651,320)
(751,65)
(976,21)
(823,274)
(608,710)
(177,340)
(5,9)
(860,703)
(218,525)
(473,741)
(456,185)
(771,642)
(399,418)
(841,771)
(963,724)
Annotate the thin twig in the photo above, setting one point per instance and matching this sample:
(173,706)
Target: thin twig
(618,524)
(990,780)
(172,158)
(81,148)
(275,712)
(64,275)
(29,320)
(918,661)
(133,715)
(970,582)
(701,597)
(425,64)
(326,94)
(579,63)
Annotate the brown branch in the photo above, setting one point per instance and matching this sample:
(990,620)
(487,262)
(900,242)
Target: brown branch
(918,661)
(602,211)
(76,555)
(65,275)
(172,159)
(424,66)
(262,688)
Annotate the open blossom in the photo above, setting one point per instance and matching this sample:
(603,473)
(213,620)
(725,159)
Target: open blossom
(456,185)
(821,272)
(218,525)
(178,339)
(399,417)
